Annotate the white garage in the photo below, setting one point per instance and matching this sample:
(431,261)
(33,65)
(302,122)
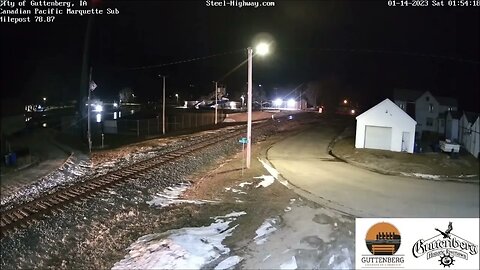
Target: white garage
(386,127)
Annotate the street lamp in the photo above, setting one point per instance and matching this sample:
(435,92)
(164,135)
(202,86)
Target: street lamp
(163,106)
(176,95)
(261,49)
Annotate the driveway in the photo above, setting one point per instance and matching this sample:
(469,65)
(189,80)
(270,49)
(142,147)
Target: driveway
(303,160)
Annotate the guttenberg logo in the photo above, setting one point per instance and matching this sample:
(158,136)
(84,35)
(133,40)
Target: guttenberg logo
(446,246)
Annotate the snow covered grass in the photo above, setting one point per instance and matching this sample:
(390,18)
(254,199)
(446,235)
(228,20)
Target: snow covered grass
(422,175)
(264,230)
(267,180)
(186,248)
(171,196)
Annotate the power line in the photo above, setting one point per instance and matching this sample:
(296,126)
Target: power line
(184,61)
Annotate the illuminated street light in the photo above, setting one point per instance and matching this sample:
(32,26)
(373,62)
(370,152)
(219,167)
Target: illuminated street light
(278,102)
(115,105)
(261,49)
(176,95)
(44,99)
(291,103)
(345,101)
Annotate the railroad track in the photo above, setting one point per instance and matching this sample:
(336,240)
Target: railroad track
(22,216)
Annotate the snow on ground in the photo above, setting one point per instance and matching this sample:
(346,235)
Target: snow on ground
(267,180)
(291,264)
(269,168)
(171,196)
(243,184)
(185,248)
(235,190)
(228,262)
(422,175)
(264,230)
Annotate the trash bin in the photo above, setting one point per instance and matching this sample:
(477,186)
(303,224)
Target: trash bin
(7,160)
(13,159)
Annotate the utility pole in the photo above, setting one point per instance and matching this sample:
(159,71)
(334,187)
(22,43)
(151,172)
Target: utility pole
(249,107)
(216,103)
(163,106)
(89,134)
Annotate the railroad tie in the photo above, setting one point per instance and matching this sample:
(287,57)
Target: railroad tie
(18,215)
(63,196)
(23,212)
(47,204)
(6,220)
(30,209)
(42,205)
(70,193)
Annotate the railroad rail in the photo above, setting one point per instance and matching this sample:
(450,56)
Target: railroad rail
(24,215)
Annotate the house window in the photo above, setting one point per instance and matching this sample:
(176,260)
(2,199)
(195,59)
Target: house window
(449,109)
(430,107)
(429,121)
(427,98)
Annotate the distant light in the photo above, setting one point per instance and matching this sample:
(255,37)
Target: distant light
(176,95)
(114,115)
(98,108)
(278,102)
(262,48)
(132,111)
(352,111)
(44,99)
(39,107)
(320,110)
(99,117)
(259,85)
(44,125)
(291,103)
(233,105)
(115,104)
(345,101)
(119,114)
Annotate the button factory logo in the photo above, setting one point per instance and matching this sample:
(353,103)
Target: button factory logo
(383,241)
(446,246)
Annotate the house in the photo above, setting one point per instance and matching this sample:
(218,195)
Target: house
(425,108)
(470,132)
(452,131)
(385,126)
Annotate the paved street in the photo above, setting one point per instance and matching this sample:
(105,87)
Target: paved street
(304,161)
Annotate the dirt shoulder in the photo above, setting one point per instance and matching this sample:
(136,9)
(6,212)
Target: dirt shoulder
(434,166)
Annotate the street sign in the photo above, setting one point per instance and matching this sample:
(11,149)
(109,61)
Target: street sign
(243,140)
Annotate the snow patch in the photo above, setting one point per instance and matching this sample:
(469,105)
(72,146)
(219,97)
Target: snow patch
(170,196)
(291,264)
(267,180)
(243,184)
(228,262)
(185,248)
(269,168)
(264,230)
(422,175)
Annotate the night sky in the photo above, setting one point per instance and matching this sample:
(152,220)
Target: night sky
(359,49)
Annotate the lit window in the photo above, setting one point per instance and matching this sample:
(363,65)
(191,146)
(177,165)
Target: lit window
(430,107)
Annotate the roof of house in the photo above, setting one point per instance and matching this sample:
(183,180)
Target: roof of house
(447,101)
(407,94)
(392,104)
(471,116)
(455,114)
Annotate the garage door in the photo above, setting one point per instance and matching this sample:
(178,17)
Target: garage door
(378,137)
